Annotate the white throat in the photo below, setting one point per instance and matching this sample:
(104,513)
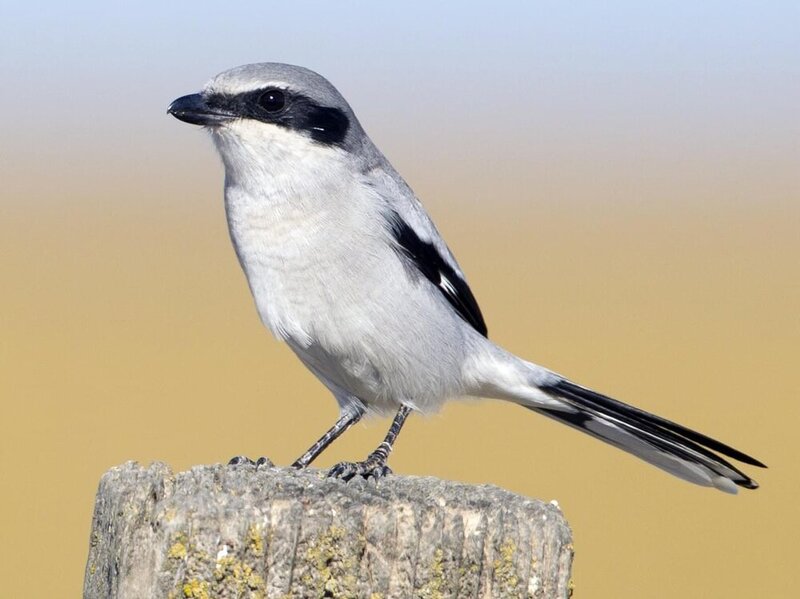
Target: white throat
(288,200)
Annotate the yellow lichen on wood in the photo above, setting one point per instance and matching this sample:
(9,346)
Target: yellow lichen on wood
(177,551)
(255,542)
(333,565)
(505,572)
(196,589)
(434,588)
(178,548)
(231,573)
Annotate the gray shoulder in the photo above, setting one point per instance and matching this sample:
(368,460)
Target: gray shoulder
(397,197)
(419,244)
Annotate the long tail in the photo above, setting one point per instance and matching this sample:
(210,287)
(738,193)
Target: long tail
(678,450)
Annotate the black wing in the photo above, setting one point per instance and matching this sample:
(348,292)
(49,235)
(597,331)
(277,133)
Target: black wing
(424,256)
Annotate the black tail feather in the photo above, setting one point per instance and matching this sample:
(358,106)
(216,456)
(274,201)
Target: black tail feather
(667,437)
(580,394)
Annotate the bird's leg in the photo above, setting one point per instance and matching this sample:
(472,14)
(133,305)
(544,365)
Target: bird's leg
(375,464)
(347,420)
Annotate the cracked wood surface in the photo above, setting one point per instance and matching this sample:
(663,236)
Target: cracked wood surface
(246,532)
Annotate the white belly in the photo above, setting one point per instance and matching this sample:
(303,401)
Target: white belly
(327,281)
(311,239)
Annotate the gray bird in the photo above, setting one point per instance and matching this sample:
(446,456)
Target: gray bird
(347,268)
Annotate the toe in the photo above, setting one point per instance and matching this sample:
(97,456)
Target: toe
(343,470)
(377,471)
(239,460)
(367,469)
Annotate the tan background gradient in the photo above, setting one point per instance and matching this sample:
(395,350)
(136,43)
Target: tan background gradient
(627,213)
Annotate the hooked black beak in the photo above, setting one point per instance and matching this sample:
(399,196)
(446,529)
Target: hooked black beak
(195,110)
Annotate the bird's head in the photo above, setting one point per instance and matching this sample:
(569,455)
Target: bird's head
(267,111)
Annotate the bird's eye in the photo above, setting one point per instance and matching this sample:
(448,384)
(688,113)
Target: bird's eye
(272,100)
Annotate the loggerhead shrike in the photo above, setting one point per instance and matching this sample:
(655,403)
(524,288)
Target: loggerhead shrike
(346,266)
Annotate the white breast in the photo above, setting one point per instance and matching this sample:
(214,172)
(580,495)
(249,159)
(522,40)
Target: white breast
(310,235)
(293,210)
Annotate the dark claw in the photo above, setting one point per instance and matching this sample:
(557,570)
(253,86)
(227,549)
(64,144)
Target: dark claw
(342,470)
(369,468)
(381,471)
(240,460)
(263,462)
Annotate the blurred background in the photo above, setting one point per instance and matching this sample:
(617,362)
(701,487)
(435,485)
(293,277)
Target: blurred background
(620,182)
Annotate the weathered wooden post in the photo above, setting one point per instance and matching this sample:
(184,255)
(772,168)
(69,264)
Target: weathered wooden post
(246,532)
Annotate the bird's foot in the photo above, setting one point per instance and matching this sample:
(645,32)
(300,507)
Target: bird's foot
(240,460)
(373,467)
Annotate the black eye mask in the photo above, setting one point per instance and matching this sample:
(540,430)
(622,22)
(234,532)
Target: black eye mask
(324,124)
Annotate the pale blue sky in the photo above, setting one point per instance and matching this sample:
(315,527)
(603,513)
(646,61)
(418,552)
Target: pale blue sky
(567,80)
